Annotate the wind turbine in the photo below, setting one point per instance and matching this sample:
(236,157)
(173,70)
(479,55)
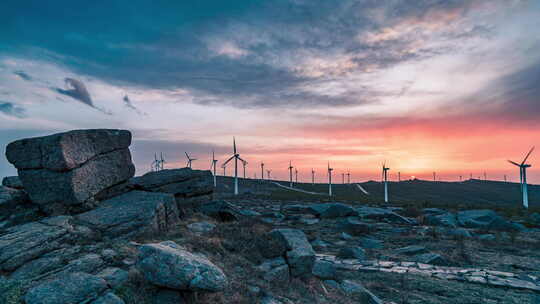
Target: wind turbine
(399,176)
(213,167)
(244,164)
(523,177)
(312,176)
(224,166)
(190,160)
(262,170)
(162,161)
(268,174)
(290,173)
(296,175)
(385,179)
(343,178)
(348,177)
(154,166)
(329,180)
(434,176)
(236,158)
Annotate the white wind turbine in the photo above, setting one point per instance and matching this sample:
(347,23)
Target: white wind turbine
(262,170)
(244,164)
(290,173)
(523,177)
(236,158)
(162,161)
(329,179)
(155,163)
(296,175)
(385,180)
(268,174)
(312,176)
(213,167)
(348,177)
(189,160)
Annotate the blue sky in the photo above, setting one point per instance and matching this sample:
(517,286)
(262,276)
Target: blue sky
(450,86)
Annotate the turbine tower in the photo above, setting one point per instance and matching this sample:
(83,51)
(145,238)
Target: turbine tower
(154,166)
(162,161)
(213,167)
(523,177)
(329,180)
(399,176)
(189,160)
(268,174)
(343,177)
(312,176)
(434,176)
(385,179)
(296,175)
(290,173)
(236,158)
(244,164)
(262,170)
(224,166)
(348,177)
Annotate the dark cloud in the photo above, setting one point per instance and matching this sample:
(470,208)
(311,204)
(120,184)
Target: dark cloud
(129,104)
(12,109)
(76,89)
(23,75)
(177,51)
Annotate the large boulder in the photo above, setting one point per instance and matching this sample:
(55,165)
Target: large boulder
(12,182)
(220,210)
(299,253)
(184,183)
(353,226)
(77,287)
(65,172)
(132,214)
(166,264)
(485,219)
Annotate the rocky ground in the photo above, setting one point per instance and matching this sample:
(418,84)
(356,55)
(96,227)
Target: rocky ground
(168,237)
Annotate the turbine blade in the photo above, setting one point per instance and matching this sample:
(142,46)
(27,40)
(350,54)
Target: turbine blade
(532,149)
(228,160)
(234,145)
(514,163)
(187,155)
(242,159)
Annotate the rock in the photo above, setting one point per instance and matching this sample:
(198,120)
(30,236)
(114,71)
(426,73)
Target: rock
(167,265)
(319,244)
(299,255)
(272,263)
(431,258)
(12,182)
(534,219)
(22,243)
(433,211)
(331,210)
(345,236)
(270,300)
(110,298)
(411,250)
(183,183)
(352,253)
(133,213)
(16,208)
(381,214)
(109,255)
(296,208)
(353,226)
(64,172)
(201,227)
(371,243)
(116,277)
(359,292)
(459,232)
(331,283)
(487,237)
(446,219)
(324,269)
(74,288)
(309,221)
(168,296)
(485,219)
(278,275)
(220,210)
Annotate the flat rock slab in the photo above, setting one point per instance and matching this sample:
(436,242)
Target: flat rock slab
(133,213)
(167,265)
(183,183)
(12,182)
(470,275)
(22,243)
(64,172)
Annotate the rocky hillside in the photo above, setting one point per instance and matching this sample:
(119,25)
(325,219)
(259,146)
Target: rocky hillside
(77,227)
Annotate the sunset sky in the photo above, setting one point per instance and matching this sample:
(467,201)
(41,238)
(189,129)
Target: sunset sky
(430,85)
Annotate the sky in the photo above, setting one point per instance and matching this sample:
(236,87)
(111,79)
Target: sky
(430,85)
